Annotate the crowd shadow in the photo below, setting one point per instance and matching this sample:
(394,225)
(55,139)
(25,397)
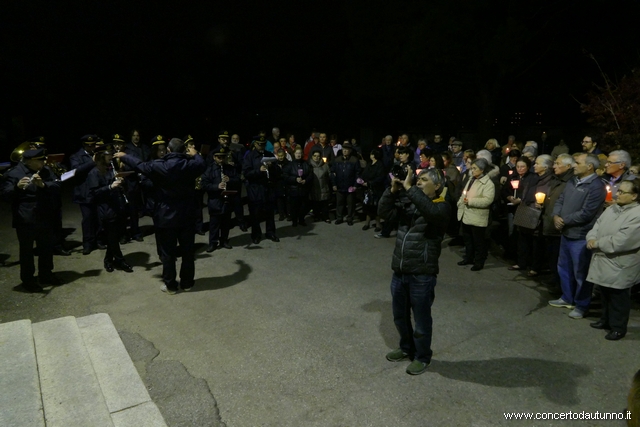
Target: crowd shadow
(70,276)
(4,263)
(385,326)
(558,381)
(215,283)
(141,259)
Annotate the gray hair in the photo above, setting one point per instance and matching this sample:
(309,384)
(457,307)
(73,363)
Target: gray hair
(593,160)
(530,149)
(623,157)
(486,155)
(546,161)
(532,144)
(435,176)
(495,142)
(566,159)
(481,163)
(176,145)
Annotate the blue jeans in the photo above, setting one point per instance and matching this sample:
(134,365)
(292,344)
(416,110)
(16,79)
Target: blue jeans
(573,266)
(414,293)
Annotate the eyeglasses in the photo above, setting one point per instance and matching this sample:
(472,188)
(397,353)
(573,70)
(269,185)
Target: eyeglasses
(624,192)
(612,163)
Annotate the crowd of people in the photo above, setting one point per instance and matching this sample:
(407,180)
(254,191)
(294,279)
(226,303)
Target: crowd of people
(571,217)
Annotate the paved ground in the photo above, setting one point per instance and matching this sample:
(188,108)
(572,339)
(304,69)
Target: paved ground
(294,334)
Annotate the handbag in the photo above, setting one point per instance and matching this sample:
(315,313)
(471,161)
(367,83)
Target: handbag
(527,217)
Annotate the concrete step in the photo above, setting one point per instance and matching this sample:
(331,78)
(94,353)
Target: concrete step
(20,401)
(125,394)
(71,393)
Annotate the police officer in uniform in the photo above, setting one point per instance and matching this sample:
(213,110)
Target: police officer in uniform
(262,175)
(33,191)
(173,175)
(82,163)
(217,179)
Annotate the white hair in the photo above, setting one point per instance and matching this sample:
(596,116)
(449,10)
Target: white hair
(623,157)
(485,154)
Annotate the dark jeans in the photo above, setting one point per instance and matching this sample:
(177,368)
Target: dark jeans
(531,250)
(475,243)
(168,239)
(43,237)
(573,266)
(342,199)
(414,293)
(616,305)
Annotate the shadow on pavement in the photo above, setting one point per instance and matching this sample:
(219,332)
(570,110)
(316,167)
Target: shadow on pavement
(215,283)
(68,276)
(385,326)
(558,380)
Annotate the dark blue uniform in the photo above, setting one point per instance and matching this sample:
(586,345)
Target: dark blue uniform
(261,194)
(82,162)
(173,177)
(220,207)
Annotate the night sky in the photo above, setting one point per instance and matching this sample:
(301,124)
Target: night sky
(172,68)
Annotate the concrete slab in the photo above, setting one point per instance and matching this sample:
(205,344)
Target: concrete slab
(70,391)
(119,380)
(20,401)
(144,415)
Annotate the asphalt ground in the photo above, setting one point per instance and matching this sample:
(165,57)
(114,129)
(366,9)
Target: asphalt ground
(295,333)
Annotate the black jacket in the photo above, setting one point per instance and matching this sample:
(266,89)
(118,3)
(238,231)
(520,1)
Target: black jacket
(298,169)
(82,162)
(422,223)
(141,152)
(260,184)
(345,172)
(375,177)
(33,205)
(173,178)
(109,202)
(211,179)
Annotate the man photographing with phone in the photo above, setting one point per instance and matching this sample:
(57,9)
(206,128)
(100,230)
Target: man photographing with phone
(422,212)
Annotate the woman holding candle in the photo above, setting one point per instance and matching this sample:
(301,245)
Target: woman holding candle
(531,250)
(296,176)
(473,212)
(512,192)
(320,189)
(615,262)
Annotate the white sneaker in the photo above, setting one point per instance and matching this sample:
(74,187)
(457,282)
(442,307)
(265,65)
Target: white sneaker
(164,288)
(577,313)
(561,303)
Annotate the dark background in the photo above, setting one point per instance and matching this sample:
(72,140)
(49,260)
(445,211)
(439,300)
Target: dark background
(358,68)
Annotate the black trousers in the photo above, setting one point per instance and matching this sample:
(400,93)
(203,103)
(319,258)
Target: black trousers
(89,225)
(238,208)
(552,244)
(320,209)
(343,199)
(475,243)
(616,305)
(167,240)
(43,237)
(113,231)
(298,206)
(219,225)
(198,207)
(258,211)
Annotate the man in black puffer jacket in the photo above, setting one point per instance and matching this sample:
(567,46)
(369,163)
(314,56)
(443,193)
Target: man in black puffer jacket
(345,170)
(422,212)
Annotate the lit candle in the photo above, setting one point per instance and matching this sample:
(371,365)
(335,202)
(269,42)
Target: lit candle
(507,150)
(515,184)
(609,194)
(324,159)
(418,171)
(540,198)
(459,168)
(510,172)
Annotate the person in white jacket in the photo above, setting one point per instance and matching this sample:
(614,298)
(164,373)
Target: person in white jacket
(615,261)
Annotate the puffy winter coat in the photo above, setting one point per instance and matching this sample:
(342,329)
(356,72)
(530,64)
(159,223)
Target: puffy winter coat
(422,223)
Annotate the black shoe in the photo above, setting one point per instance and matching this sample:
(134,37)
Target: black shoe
(212,247)
(256,241)
(102,247)
(32,287)
(349,222)
(338,221)
(201,233)
(273,238)
(599,325)
(87,251)
(464,262)
(124,267)
(226,245)
(109,267)
(477,267)
(49,280)
(281,218)
(303,223)
(60,251)
(614,336)
(244,227)
(366,227)
(138,239)
(328,221)
(124,241)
